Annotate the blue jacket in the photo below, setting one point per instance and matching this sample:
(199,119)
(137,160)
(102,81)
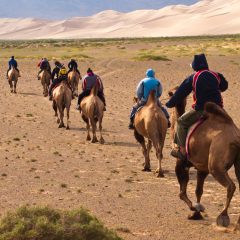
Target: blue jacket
(147,84)
(206,85)
(13,63)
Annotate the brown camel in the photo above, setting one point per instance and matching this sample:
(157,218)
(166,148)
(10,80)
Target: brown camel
(45,78)
(13,76)
(62,97)
(92,112)
(73,80)
(151,123)
(214,148)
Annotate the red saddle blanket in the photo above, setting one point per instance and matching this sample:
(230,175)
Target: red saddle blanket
(192,129)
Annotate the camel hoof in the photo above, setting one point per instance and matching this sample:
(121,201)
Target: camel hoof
(94,140)
(102,141)
(11,91)
(195,216)
(223,220)
(88,138)
(15,91)
(198,207)
(67,128)
(146,169)
(58,120)
(160,175)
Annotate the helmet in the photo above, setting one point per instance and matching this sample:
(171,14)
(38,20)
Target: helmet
(57,63)
(63,71)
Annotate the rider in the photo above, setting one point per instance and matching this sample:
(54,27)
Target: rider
(73,64)
(88,82)
(59,70)
(143,89)
(12,63)
(207,87)
(44,65)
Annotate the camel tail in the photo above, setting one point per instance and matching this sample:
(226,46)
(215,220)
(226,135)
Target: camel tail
(237,163)
(151,97)
(94,90)
(95,112)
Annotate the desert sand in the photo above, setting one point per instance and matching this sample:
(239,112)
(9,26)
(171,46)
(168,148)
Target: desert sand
(43,165)
(207,17)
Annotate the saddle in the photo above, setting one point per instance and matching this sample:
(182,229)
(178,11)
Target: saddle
(191,130)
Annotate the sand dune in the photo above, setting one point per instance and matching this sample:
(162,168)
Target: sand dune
(204,17)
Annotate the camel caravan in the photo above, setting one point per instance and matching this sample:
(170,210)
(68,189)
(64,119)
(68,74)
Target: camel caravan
(205,137)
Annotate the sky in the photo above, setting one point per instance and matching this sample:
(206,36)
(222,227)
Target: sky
(62,9)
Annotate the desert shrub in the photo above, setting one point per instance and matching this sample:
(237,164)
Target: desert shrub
(149,56)
(44,223)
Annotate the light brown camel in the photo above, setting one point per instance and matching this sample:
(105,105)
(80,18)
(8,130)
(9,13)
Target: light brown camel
(13,76)
(45,78)
(62,97)
(214,148)
(73,80)
(151,123)
(92,112)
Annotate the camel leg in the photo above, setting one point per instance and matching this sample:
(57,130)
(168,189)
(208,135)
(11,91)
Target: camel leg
(11,85)
(183,178)
(140,139)
(94,127)
(85,119)
(15,87)
(68,110)
(159,156)
(201,176)
(54,105)
(100,130)
(61,113)
(223,178)
(149,147)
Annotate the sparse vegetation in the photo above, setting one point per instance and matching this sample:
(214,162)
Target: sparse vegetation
(42,223)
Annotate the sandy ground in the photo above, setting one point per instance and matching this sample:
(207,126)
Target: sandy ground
(43,165)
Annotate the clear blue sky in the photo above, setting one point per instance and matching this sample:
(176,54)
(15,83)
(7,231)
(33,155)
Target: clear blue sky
(61,9)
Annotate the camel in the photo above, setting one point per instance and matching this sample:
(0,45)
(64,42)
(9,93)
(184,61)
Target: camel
(214,147)
(151,123)
(73,80)
(92,112)
(13,76)
(45,78)
(62,97)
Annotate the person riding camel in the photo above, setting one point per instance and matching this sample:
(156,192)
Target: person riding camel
(13,63)
(44,65)
(73,64)
(144,88)
(206,86)
(56,72)
(88,82)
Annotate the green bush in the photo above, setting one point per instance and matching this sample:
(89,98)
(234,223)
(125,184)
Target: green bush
(149,56)
(43,223)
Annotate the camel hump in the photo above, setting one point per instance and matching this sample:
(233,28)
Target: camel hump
(214,109)
(151,97)
(94,90)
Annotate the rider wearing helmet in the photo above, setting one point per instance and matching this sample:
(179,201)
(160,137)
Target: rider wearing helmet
(61,72)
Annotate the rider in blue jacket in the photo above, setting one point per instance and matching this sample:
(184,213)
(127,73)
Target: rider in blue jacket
(143,90)
(12,63)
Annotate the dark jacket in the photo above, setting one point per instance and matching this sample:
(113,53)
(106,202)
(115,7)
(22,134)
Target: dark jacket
(55,72)
(205,84)
(72,64)
(13,63)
